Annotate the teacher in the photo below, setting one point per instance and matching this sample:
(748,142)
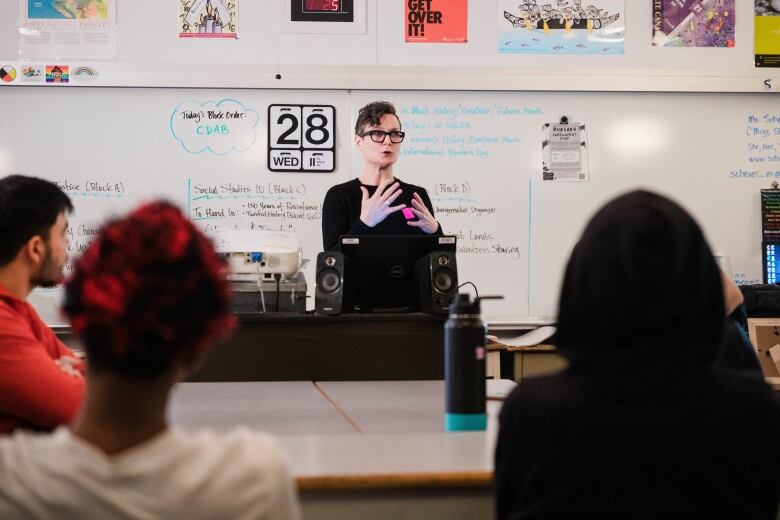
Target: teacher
(377,203)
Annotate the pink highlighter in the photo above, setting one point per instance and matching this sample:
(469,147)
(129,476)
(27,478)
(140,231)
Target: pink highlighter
(408,213)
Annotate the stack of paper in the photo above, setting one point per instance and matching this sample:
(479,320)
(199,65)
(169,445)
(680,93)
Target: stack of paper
(529,339)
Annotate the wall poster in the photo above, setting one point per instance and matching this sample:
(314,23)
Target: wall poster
(77,29)
(561,27)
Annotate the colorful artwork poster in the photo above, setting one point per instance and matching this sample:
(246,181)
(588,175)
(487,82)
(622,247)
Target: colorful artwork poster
(693,23)
(67,9)
(57,73)
(436,21)
(79,29)
(767,33)
(208,18)
(561,26)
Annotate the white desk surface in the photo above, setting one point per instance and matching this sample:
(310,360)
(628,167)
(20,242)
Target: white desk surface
(281,408)
(396,406)
(351,434)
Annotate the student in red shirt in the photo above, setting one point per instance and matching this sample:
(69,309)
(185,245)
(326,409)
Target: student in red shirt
(41,383)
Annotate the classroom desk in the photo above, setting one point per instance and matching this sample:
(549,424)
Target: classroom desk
(360,449)
(518,363)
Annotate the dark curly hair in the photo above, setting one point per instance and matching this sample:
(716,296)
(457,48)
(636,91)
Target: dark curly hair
(371,114)
(147,288)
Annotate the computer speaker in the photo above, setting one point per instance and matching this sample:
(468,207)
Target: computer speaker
(333,293)
(436,279)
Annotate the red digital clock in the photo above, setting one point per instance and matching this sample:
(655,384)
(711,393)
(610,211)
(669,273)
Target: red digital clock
(322,11)
(321,6)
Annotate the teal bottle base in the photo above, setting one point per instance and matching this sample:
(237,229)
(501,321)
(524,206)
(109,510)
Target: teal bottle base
(463,422)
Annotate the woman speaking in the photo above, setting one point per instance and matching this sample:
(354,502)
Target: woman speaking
(376,203)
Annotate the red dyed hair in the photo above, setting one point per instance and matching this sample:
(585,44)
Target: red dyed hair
(148,287)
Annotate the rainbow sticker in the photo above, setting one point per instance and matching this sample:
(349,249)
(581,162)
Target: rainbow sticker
(7,73)
(57,73)
(84,72)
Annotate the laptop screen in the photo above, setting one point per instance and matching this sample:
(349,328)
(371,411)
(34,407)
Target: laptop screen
(383,267)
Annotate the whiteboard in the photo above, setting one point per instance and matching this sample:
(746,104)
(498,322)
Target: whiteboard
(478,154)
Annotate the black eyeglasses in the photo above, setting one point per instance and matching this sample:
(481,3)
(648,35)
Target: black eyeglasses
(378,136)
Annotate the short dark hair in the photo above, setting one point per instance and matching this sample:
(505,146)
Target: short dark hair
(28,207)
(371,114)
(150,286)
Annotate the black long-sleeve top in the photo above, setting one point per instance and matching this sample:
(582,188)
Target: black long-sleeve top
(341,213)
(682,443)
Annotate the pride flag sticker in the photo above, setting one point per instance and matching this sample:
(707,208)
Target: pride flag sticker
(57,73)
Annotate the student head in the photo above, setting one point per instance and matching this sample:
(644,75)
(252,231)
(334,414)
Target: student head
(148,296)
(378,133)
(33,227)
(641,287)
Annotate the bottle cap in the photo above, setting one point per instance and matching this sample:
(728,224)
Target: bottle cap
(464,305)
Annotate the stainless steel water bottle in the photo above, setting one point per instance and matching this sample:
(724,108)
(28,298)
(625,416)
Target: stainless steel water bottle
(464,366)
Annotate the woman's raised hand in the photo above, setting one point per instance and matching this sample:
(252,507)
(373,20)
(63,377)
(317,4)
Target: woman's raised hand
(377,207)
(425,220)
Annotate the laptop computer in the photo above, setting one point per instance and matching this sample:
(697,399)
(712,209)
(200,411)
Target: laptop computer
(383,267)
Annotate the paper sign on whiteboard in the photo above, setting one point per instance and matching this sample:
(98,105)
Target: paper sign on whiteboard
(564,152)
